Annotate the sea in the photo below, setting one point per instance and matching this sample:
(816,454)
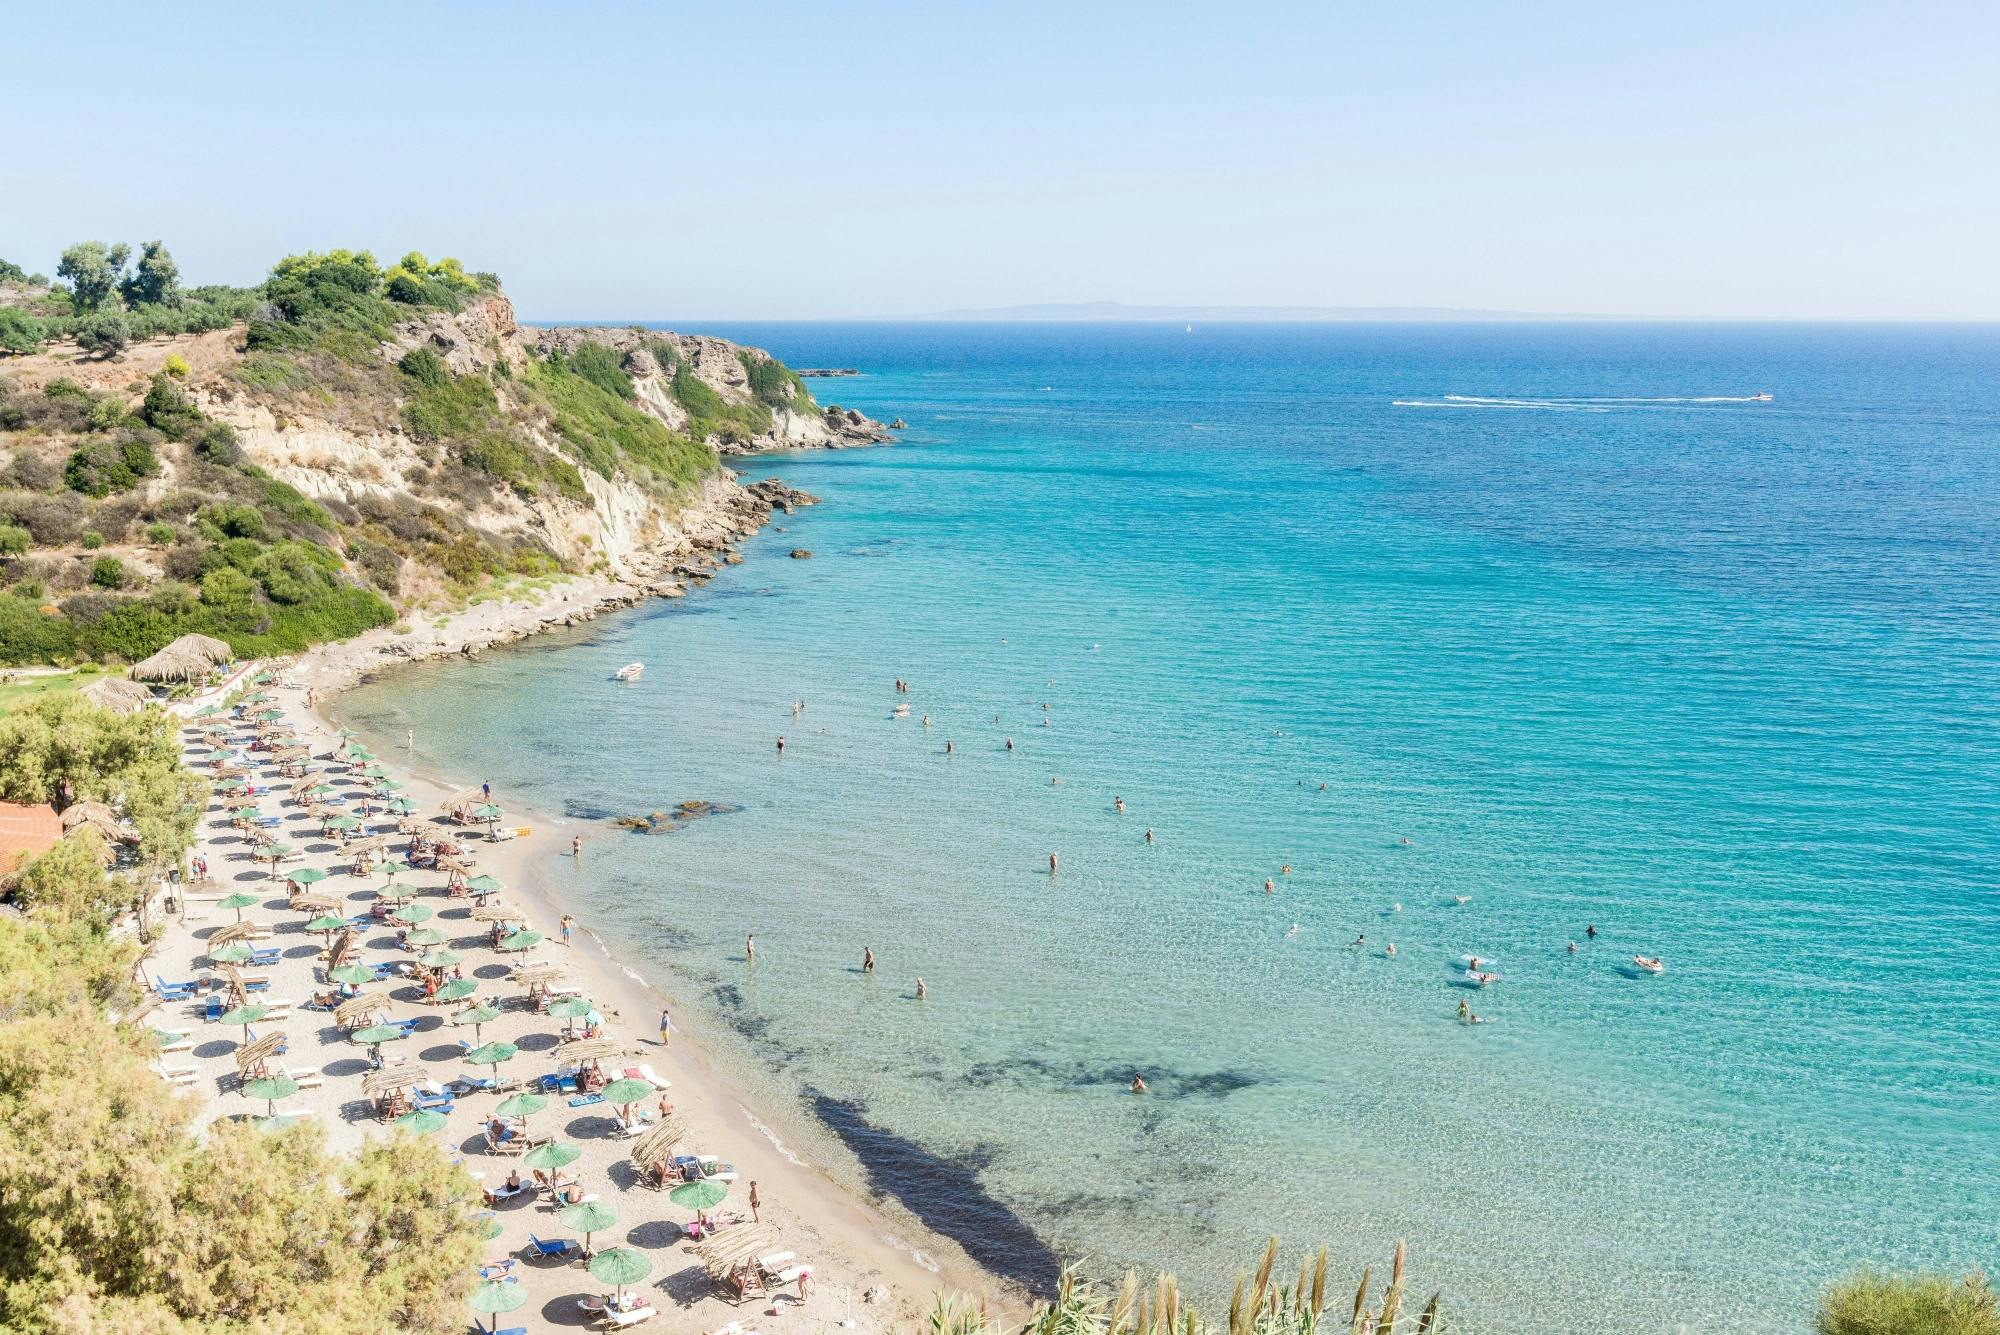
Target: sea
(1550,645)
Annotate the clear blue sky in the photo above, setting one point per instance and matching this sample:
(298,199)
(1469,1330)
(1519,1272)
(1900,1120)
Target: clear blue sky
(722,160)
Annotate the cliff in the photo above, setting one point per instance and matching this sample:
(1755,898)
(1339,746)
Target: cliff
(347,456)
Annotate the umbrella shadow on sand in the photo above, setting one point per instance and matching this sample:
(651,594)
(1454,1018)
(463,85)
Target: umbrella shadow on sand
(442,1053)
(221,1047)
(654,1233)
(537,1042)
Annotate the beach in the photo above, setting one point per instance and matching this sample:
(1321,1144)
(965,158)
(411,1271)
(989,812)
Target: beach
(871,1264)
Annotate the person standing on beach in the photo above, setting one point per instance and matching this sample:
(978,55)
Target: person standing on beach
(566,924)
(666,1028)
(749,950)
(868,959)
(486,789)
(576,845)
(756,1204)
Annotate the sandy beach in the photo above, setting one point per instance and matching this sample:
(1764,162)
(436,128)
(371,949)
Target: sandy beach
(874,1267)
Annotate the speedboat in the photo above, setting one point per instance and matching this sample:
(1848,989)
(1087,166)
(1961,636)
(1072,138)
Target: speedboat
(1760,398)
(630,672)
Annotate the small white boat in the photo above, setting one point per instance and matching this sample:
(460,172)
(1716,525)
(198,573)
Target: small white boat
(630,672)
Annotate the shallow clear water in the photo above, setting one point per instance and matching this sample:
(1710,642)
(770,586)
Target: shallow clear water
(1718,677)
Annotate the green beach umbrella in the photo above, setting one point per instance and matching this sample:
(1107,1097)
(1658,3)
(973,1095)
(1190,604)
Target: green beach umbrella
(483,885)
(426,936)
(256,699)
(354,975)
(306,875)
(477,1016)
(376,1034)
(420,1120)
(262,679)
(443,958)
(374,772)
(587,1217)
(458,989)
(625,1093)
(346,732)
(239,901)
(326,922)
(495,1296)
(233,953)
(413,914)
(703,1195)
(245,809)
(402,806)
(245,1016)
(166,1037)
(522,1105)
(324,790)
(270,1089)
(360,755)
(393,869)
(487,812)
(620,1266)
(569,1008)
(341,822)
(551,1155)
(522,940)
(208,711)
(389,785)
(393,889)
(492,1054)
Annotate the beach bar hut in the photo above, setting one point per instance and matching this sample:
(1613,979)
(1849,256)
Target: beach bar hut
(190,658)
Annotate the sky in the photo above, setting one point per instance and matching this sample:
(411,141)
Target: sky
(824,161)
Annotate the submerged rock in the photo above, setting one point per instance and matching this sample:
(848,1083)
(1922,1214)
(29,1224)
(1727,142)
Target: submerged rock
(801,554)
(683,814)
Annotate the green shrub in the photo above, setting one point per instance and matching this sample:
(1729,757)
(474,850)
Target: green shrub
(712,416)
(231,519)
(102,467)
(425,367)
(774,384)
(14,539)
(607,434)
(91,540)
(450,409)
(169,409)
(105,334)
(293,507)
(600,366)
(1872,1304)
(62,387)
(219,445)
(27,635)
(107,572)
(161,535)
(107,413)
(20,331)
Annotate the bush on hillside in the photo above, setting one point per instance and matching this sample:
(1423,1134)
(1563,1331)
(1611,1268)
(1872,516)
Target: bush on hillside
(600,366)
(101,467)
(105,334)
(219,445)
(168,408)
(108,572)
(27,635)
(14,539)
(20,331)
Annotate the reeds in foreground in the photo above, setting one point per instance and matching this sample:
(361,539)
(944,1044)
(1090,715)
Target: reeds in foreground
(1084,1307)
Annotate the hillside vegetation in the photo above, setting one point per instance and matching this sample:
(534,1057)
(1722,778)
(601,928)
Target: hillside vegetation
(344,444)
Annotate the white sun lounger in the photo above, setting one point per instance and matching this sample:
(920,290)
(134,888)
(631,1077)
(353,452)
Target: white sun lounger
(652,1078)
(627,1319)
(306,1078)
(178,1075)
(178,1043)
(775,1259)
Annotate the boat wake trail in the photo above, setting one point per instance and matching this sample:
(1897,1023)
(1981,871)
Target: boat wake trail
(1563,403)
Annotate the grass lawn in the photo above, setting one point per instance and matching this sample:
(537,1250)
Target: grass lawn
(20,685)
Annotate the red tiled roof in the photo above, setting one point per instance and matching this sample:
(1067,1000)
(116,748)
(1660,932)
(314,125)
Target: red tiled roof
(26,832)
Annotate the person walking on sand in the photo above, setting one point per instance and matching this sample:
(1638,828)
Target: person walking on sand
(565,925)
(666,1028)
(756,1204)
(868,959)
(749,950)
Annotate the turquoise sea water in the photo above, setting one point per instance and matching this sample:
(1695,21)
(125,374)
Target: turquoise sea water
(1718,677)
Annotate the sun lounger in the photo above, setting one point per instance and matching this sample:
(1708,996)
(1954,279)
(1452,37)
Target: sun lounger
(560,1247)
(503,1192)
(651,1077)
(585,1100)
(771,1261)
(306,1078)
(173,991)
(559,1084)
(614,1319)
(178,1075)
(431,1102)
(177,1043)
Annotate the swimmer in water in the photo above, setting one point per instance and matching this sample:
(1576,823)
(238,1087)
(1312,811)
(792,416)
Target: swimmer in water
(1361,940)
(1149,834)
(1572,947)
(1118,805)
(1138,1085)
(949,749)
(750,950)
(1396,907)
(1056,781)
(927,720)
(868,959)
(1285,870)
(1294,931)
(1461,899)
(1406,841)
(1045,723)
(1010,743)
(781,746)
(922,991)
(1052,864)
(1591,931)
(1473,961)
(1270,886)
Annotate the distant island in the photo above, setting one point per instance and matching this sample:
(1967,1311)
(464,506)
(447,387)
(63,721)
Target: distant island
(1084,312)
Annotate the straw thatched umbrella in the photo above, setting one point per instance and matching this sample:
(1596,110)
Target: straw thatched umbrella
(353,1012)
(375,1084)
(581,1050)
(259,1052)
(190,658)
(724,1252)
(539,975)
(235,931)
(117,695)
(497,913)
(658,1142)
